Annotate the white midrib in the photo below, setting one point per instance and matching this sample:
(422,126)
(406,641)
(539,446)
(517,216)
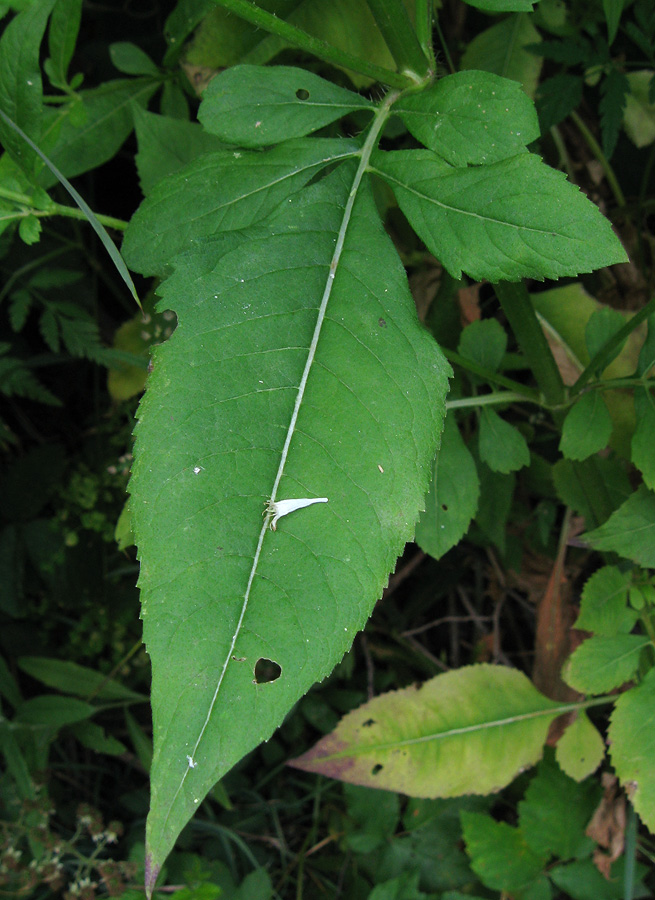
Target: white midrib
(365,155)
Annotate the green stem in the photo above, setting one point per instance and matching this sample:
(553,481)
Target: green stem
(515,301)
(496,399)
(310,44)
(595,148)
(602,359)
(393,20)
(489,375)
(56,209)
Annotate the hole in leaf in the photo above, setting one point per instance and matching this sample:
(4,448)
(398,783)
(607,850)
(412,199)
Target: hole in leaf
(302,94)
(266,671)
(382,322)
(444,506)
(377,769)
(368,723)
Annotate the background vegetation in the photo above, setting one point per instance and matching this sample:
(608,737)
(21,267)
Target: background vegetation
(113,91)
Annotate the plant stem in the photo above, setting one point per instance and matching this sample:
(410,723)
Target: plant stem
(488,375)
(57,209)
(595,148)
(394,23)
(523,320)
(305,41)
(630,853)
(496,399)
(444,46)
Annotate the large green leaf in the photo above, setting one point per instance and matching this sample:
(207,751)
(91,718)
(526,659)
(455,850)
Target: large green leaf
(288,103)
(514,219)
(298,369)
(245,187)
(471,118)
(469,731)
(632,746)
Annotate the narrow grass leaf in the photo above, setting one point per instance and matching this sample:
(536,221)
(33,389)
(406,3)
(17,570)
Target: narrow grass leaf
(514,219)
(471,118)
(256,106)
(601,663)
(92,219)
(245,187)
(632,746)
(469,731)
(587,427)
(72,678)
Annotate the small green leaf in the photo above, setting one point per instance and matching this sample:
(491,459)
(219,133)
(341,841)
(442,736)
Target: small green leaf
(576,486)
(502,447)
(614,89)
(141,742)
(630,531)
(8,685)
(471,118)
(453,497)
(75,147)
(556,810)
(587,427)
(500,855)
(643,439)
(502,49)
(647,352)
(639,117)
(581,749)
(71,678)
(167,145)
(556,97)
(485,342)
(603,324)
(603,608)
(256,106)
(52,711)
(632,746)
(62,36)
(246,186)
(581,880)
(601,663)
(469,731)
(131,60)
(496,494)
(94,737)
(500,222)
(29,229)
(612,10)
